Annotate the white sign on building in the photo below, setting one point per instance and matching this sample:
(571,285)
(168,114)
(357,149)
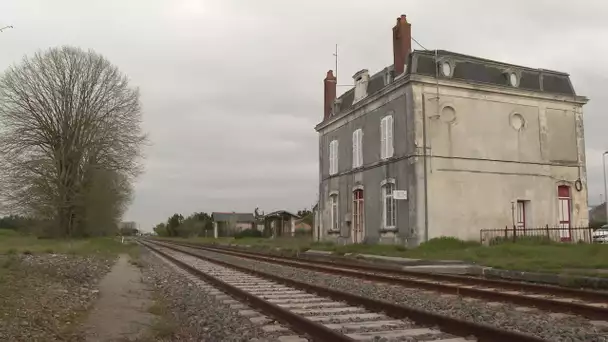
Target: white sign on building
(400,194)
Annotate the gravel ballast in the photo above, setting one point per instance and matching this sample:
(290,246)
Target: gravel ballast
(502,315)
(197,315)
(45,297)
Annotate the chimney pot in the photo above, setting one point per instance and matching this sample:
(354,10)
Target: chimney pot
(330,84)
(402,43)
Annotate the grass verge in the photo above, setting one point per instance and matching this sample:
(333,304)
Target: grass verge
(536,256)
(12,243)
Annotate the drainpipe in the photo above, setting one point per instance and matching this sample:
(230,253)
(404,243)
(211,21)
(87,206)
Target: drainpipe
(426,190)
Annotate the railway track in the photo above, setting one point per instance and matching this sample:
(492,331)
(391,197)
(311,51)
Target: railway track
(589,304)
(323,314)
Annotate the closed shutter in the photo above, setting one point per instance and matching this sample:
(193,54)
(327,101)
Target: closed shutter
(389,136)
(355,149)
(383,138)
(331,157)
(360,147)
(335,156)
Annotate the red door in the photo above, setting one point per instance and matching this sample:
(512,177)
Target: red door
(563,210)
(358,216)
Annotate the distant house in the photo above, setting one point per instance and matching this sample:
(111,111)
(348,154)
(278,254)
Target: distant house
(228,224)
(598,213)
(280,223)
(301,225)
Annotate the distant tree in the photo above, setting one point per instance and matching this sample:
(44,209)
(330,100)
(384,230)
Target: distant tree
(70,140)
(173,223)
(161,229)
(304,212)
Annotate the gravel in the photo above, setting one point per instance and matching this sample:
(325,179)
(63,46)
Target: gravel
(44,297)
(197,315)
(504,315)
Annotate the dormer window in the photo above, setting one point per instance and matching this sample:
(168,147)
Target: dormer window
(336,107)
(512,77)
(361,79)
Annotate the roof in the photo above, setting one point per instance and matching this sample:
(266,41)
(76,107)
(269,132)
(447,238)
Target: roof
(468,69)
(281,213)
(238,217)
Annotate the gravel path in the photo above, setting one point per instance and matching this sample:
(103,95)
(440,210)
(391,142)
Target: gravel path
(44,297)
(503,315)
(198,316)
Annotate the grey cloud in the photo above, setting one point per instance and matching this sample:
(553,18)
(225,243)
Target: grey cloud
(232,89)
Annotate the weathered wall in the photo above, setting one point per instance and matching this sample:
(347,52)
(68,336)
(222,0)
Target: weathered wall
(374,170)
(493,149)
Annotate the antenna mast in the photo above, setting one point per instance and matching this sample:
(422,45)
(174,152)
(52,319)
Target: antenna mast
(336,55)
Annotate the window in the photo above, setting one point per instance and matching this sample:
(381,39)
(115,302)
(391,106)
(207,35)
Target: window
(521,215)
(386,137)
(388,206)
(333,202)
(357,148)
(333,157)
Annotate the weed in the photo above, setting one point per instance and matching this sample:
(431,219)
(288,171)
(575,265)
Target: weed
(163,329)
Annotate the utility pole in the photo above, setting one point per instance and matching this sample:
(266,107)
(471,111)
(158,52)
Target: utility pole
(605,185)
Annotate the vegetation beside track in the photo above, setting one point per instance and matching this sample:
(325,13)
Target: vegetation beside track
(536,256)
(12,242)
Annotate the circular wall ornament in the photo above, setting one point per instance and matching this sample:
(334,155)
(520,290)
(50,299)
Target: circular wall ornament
(517,121)
(448,114)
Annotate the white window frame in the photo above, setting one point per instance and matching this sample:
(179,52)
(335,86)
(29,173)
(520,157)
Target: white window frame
(386,224)
(333,157)
(386,137)
(334,212)
(357,148)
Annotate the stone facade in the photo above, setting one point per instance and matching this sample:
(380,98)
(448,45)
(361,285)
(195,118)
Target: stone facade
(475,144)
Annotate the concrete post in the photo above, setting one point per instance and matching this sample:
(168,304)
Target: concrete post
(215,230)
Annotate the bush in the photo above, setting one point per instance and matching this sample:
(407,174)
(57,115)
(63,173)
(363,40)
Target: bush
(303,232)
(248,233)
(447,243)
(524,240)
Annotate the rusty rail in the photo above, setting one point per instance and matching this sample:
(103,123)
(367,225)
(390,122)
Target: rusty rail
(464,289)
(300,324)
(483,332)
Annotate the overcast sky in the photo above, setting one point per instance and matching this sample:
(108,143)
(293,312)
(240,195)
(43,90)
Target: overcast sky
(231,90)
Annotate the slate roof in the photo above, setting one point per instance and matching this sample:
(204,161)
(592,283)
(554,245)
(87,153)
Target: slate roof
(281,212)
(225,217)
(468,69)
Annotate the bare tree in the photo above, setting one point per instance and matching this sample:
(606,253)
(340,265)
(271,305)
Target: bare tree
(67,117)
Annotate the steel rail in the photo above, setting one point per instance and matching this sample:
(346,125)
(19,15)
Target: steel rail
(589,311)
(300,324)
(483,332)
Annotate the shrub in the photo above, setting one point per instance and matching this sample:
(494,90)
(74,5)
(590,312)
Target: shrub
(524,240)
(248,233)
(447,243)
(303,232)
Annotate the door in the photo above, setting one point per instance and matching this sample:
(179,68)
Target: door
(358,216)
(563,210)
(521,216)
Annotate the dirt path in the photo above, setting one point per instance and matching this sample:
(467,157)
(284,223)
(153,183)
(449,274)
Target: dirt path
(121,311)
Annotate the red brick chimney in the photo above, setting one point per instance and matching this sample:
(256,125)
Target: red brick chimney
(329,94)
(402,43)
